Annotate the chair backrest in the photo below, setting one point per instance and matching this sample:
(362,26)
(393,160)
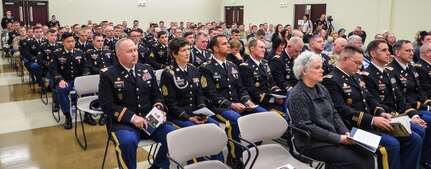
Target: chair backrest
(86,84)
(261,126)
(195,141)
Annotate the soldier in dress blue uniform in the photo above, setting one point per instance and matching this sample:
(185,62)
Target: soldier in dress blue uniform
(360,109)
(182,89)
(82,43)
(31,50)
(109,42)
(423,67)
(68,63)
(7,19)
(53,22)
(45,57)
(382,84)
(282,65)
(151,38)
(222,84)
(158,56)
(257,78)
(128,90)
(134,35)
(97,59)
(199,53)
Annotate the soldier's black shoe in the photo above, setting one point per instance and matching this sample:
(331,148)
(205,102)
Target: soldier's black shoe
(102,120)
(68,124)
(154,167)
(89,120)
(234,163)
(55,107)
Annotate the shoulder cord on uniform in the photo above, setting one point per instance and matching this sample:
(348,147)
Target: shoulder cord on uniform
(175,81)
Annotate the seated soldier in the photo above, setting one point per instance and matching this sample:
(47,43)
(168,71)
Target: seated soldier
(182,89)
(31,50)
(45,57)
(82,43)
(135,36)
(382,84)
(68,63)
(423,67)
(316,45)
(257,78)
(360,109)
(128,91)
(282,65)
(18,48)
(199,53)
(222,84)
(158,56)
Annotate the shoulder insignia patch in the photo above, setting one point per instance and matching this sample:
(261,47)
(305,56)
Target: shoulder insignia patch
(328,76)
(204,82)
(164,90)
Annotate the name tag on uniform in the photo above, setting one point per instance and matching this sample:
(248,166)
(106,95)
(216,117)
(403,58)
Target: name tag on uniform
(195,80)
(180,82)
(216,76)
(119,84)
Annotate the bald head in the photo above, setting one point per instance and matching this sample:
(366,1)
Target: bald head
(425,51)
(127,52)
(339,44)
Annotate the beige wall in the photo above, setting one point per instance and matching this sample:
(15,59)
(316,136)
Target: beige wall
(79,11)
(398,16)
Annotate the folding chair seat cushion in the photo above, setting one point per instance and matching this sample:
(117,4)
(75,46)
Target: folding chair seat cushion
(270,156)
(83,104)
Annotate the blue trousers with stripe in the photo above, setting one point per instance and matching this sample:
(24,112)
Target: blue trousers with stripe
(230,117)
(63,96)
(426,137)
(127,143)
(182,124)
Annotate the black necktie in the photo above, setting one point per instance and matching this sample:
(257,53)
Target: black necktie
(224,66)
(131,73)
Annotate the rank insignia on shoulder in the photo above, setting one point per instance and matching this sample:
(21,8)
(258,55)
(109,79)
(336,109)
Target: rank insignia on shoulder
(243,64)
(328,76)
(389,68)
(364,73)
(417,65)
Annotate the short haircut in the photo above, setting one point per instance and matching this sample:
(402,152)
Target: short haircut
(303,63)
(235,43)
(353,38)
(295,33)
(199,34)
(134,30)
(211,30)
(352,49)
(36,27)
(214,41)
(119,42)
(187,34)
(52,31)
(373,45)
(261,32)
(314,38)
(97,35)
(74,25)
(159,34)
(175,45)
(399,44)
(253,43)
(295,41)
(235,31)
(66,35)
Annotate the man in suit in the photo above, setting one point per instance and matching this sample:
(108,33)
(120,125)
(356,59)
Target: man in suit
(128,90)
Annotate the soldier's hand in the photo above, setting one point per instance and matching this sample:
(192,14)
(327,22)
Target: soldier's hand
(345,140)
(387,115)
(63,84)
(140,122)
(419,121)
(195,119)
(278,101)
(238,107)
(382,124)
(250,103)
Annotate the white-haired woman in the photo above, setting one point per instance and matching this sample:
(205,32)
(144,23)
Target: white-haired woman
(311,109)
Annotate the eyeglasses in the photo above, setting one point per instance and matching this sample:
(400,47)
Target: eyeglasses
(356,61)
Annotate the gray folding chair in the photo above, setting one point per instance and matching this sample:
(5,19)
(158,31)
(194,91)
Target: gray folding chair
(196,141)
(259,127)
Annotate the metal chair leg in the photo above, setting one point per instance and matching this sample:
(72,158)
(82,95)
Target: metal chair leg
(83,145)
(106,152)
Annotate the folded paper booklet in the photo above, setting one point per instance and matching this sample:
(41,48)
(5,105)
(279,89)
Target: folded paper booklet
(204,112)
(277,96)
(251,107)
(401,125)
(154,119)
(365,139)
